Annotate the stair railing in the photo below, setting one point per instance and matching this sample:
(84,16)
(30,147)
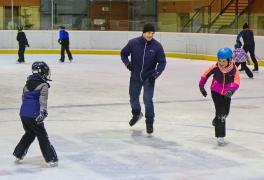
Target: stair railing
(191,25)
(213,5)
(247,9)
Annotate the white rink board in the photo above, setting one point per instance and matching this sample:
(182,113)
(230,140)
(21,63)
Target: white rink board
(190,43)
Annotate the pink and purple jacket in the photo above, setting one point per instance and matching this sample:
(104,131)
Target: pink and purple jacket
(223,80)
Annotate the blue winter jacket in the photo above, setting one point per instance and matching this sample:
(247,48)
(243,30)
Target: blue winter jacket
(64,38)
(63,35)
(147,58)
(32,104)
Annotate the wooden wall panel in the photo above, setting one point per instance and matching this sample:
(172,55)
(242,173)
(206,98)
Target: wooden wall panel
(180,6)
(188,6)
(20,2)
(258,7)
(115,19)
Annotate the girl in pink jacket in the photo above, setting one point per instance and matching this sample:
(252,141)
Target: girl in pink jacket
(226,80)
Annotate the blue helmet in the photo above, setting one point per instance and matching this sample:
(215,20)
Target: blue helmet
(225,53)
(41,68)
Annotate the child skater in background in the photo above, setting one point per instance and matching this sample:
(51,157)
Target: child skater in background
(64,41)
(226,80)
(241,57)
(33,111)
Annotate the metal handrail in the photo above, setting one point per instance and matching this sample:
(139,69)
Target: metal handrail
(222,11)
(223,8)
(250,3)
(191,19)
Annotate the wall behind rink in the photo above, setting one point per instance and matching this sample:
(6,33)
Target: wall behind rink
(185,43)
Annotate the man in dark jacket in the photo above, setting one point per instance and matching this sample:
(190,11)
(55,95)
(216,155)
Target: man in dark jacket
(22,42)
(249,44)
(65,44)
(146,64)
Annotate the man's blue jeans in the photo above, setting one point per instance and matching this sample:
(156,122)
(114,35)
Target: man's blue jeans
(148,91)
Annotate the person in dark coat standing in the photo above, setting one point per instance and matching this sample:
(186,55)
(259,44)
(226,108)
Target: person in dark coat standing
(146,64)
(65,44)
(22,42)
(249,44)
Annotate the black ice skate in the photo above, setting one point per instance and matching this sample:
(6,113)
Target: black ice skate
(149,128)
(214,122)
(135,119)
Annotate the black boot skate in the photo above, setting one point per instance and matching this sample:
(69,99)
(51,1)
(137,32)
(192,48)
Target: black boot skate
(135,119)
(149,128)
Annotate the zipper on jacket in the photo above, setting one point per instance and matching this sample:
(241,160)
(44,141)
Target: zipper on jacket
(223,83)
(143,61)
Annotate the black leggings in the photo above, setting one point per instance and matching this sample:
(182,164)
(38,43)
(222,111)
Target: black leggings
(21,52)
(32,130)
(222,107)
(245,67)
(67,48)
(251,50)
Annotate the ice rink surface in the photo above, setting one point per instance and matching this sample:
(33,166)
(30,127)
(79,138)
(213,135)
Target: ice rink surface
(88,120)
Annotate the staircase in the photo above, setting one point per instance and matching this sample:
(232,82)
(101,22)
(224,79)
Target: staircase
(222,15)
(227,16)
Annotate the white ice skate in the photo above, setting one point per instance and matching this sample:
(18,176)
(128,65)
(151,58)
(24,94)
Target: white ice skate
(53,164)
(18,160)
(220,141)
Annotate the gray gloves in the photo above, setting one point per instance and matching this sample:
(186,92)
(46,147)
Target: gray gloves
(229,93)
(42,115)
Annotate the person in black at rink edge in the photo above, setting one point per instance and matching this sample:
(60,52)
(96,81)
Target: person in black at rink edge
(22,42)
(249,44)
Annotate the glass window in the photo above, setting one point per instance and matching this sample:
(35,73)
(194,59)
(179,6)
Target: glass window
(142,12)
(73,14)
(130,15)
(1,17)
(30,17)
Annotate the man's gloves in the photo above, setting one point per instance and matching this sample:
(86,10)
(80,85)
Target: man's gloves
(42,115)
(229,93)
(203,91)
(59,41)
(27,45)
(152,79)
(129,67)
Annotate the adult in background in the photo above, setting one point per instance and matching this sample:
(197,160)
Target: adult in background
(249,44)
(146,64)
